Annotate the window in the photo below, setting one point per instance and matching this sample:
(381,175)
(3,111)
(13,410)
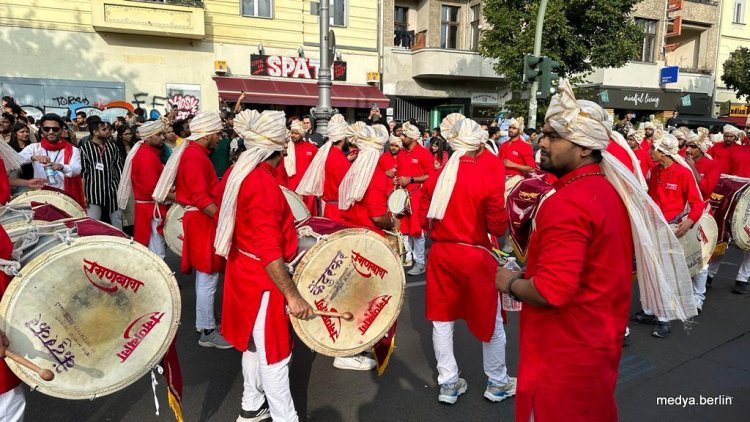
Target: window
(338,12)
(257,8)
(476,15)
(402,37)
(739,11)
(649,35)
(449,27)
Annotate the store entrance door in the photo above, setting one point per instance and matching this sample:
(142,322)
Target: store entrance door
(440,112)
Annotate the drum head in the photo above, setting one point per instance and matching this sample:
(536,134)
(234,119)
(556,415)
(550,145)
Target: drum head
(397,201)
(740,223)
(511,183)
(352,270)
(173,232)
(59,200)
(99,312)
(299,209)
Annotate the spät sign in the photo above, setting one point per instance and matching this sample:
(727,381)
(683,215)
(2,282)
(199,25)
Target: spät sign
(292,67)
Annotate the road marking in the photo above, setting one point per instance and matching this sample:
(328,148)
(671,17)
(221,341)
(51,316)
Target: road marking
(415,284)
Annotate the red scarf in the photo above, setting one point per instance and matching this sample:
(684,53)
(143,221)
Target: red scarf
(73,185)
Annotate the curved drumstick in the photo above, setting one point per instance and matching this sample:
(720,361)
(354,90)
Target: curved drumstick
(44,374)
(347,316)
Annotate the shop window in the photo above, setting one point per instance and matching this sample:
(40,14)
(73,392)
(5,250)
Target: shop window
(739,11)
(649,37)
(338,12)
(257,8)
(449,27)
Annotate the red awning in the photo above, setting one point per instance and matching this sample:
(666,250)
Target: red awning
(268,91)
(738,121)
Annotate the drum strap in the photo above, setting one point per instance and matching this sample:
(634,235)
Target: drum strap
(479,247)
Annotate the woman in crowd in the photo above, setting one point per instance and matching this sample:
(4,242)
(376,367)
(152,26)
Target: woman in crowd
(439,155)
(20,137)
(125,141)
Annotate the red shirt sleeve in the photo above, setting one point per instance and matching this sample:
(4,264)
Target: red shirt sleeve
(527,154)
(266,224)
(196,179)
(426,162)
(147,169)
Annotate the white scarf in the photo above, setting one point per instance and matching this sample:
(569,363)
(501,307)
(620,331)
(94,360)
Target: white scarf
(315,175)
(370,141)
(290,161)
(125,188)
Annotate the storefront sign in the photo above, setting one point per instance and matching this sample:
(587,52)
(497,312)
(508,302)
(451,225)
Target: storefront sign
(292,67)
(739,110)
(639,100)
(485,98)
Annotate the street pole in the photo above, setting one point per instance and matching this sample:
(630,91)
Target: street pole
(537,53)
(322,112)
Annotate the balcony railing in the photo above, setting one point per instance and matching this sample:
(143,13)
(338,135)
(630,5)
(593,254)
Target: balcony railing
(403,39)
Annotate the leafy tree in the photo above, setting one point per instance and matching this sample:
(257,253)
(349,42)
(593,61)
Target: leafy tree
(737,72)
(580,34)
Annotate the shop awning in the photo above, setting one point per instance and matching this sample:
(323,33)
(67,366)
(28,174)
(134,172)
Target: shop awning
(272,91)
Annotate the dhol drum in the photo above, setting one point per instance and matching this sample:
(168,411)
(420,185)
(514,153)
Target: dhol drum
(98,311)
(399,202)
(699,243)
(342,269)
(740,223)
(299,209)
(523,203)
(22,215)
(173,231)
(723,203)
(52,197)
(510,183)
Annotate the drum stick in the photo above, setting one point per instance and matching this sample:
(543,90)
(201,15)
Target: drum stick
(44,374)
(348,316)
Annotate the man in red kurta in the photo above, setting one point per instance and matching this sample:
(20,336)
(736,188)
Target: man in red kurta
(463,288)
(299,155)
(705,169)
(576,288)
(726,153)
(415,166)
(335,169)
(12,401)
(257,235)
(194,183)
(388,162)
(517,154)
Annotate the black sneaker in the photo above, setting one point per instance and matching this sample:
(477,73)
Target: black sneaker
(643,318)
(740,287)
(262,414)
(626,340)
(709,280)
(662,330)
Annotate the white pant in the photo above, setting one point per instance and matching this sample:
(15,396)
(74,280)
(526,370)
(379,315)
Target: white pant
(156,242)
(205,290)
(493,353)
(742,274)
(263,381)
(417,249)
(699,287)
(95,212)
(12,405)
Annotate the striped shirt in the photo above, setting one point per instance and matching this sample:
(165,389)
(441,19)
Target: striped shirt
(102,167)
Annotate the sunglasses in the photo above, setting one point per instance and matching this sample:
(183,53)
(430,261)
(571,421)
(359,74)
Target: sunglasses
(691,146)
(50,129)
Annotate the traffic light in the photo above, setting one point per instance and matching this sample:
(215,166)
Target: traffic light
(531,68)
(548,80)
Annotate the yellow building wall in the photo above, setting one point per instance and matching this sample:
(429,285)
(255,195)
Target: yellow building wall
(731,37)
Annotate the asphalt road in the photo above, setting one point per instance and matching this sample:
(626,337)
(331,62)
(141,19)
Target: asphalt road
(711,360)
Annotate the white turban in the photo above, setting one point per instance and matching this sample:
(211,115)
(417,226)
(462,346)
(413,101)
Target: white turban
(465,135)
(648,125)
(447,124)
(290,161)
(703,140)
(731,129)
(716,138)
(298,127)
(315,175)
(370,141)
(204,123)
(263,134)
(516,122)
(665,283)
(411,131)
(396,140)
(631,132)
(151,128)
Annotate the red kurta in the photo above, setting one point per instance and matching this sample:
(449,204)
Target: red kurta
(580,260)
(335,169)
(415,163)
(519,152)
(740,161)
(194,187)
(373,204)
(146,169)
(8,380)
(672,188)
(710,175)
(266,232)
(461,277)
(723,155)
(303,153)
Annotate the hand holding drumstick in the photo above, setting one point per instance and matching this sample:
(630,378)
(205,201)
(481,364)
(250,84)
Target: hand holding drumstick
(44,374)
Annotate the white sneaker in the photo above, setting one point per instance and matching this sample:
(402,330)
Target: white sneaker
(417,269)
(355,363)
(499,392)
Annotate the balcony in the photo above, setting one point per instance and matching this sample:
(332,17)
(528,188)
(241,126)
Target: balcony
(437,63)
(171,18)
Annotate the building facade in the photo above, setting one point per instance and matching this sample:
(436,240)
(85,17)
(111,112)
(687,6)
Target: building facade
(431,66)
(735,32)
(109,55)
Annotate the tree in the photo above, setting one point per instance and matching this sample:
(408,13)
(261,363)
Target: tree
(580,34)
(737,72)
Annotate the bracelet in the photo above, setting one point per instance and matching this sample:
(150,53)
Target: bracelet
(510,287)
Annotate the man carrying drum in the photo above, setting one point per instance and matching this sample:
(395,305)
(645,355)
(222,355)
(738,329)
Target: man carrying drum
(705,169)
(256,234)
(577,286)
(672,186)
(415,166)
(194,178)
(140,174)
(461,207)
(327,169)
(388,162)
